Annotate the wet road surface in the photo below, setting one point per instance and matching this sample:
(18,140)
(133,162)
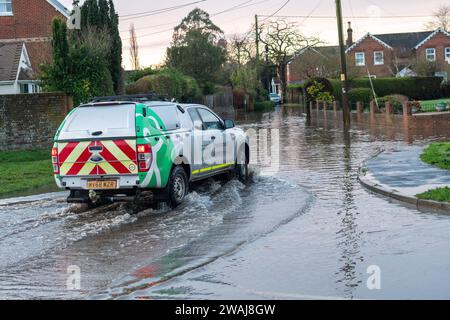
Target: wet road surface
(307,231)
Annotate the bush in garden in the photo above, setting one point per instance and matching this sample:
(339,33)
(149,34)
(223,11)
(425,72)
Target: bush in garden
(169,82)
(363,95)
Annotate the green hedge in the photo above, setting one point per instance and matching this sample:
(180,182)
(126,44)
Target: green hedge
(364,95)
(416,88)
(264,106)
(169,82)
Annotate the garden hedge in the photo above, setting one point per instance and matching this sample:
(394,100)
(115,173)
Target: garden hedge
(364,95)
(416,88)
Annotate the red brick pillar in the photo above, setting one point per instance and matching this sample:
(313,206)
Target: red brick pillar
(407,109)
(359,107)
(389,108)
(373,108)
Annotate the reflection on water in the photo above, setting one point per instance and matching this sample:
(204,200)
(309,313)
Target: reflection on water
(308,230)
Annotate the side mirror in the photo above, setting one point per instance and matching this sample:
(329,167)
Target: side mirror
(229,124)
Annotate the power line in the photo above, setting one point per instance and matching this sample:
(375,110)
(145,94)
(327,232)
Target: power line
(242,5)
(278,10)
(312,11)
(348,17)
(156,12)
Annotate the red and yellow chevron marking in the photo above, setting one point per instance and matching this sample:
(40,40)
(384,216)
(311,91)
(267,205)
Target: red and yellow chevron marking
(119,157)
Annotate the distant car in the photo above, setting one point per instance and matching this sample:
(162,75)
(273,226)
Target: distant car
(275,98)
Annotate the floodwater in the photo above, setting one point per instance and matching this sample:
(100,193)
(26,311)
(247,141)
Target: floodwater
(308,230)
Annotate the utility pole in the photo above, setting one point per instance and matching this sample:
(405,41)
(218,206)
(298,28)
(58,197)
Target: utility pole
(344,80)
(257,54)
(257,39)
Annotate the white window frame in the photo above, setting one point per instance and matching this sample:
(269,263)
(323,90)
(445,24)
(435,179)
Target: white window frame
(380,63)
(447,54)
(430,54)
(360,54)
(6,13)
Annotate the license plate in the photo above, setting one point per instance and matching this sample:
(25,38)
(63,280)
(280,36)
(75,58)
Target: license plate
(102,184)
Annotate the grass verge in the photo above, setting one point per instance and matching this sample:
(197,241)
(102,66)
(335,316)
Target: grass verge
(438,194)
(24,170)
(437,154)
(430,105)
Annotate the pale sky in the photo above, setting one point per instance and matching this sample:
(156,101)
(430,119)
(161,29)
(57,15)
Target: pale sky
(154,36)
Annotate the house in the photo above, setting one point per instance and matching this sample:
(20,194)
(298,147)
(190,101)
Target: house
(16,75)
(311,61)
(380,55)
(275,86)
(400,54)
(27,24)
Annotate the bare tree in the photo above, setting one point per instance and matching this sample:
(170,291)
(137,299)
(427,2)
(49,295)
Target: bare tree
(241,49)
(441,19)
(134,49)
(283,39)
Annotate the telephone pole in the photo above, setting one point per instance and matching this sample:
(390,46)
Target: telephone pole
(344,80)
(257,39)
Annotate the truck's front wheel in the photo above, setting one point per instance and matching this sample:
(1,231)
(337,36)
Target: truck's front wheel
(178,186)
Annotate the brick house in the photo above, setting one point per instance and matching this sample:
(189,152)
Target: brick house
(381,55)
(398,54)
(28,22)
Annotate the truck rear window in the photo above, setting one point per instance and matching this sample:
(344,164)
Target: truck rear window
(169,116)
(112,121)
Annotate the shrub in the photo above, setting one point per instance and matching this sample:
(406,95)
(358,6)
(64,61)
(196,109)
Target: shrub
(363,95)
(416,88)
(337,89)
(445,89)
(167,81)
(318,89)
(264,106)
(395,101)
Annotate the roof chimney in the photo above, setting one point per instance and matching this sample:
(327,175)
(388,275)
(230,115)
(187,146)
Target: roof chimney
(349,35)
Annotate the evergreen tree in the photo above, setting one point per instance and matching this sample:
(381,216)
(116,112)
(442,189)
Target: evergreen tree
(116,49)
(101,14)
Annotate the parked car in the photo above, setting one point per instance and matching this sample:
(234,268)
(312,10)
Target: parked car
(275,98)
(133,147)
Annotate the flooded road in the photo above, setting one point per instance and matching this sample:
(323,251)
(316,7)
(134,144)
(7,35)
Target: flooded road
(308,230)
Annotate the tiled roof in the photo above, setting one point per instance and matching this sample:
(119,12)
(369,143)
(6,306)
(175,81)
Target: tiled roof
(10,53)
(403,41)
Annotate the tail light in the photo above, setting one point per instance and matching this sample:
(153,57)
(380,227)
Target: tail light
(144,156)
(55,162)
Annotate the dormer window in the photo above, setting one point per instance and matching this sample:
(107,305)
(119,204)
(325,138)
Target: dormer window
(5,8)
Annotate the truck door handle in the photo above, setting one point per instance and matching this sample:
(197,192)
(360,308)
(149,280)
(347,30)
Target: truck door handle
(213,138)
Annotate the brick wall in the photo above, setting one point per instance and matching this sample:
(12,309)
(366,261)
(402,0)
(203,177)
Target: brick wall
(31,19)
(30,121)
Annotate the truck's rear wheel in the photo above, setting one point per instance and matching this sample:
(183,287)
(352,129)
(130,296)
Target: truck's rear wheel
(178,186)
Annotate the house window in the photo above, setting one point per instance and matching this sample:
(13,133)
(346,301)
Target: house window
(431,54)
(24,88)
(360,59)
(447,54)
(378,58)
(5,8)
